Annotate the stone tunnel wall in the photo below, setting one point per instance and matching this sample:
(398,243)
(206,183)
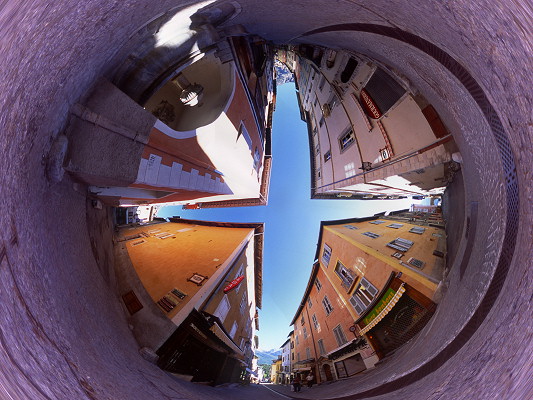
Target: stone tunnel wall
(63,333)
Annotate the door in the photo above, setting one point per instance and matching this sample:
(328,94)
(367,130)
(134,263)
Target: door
(327,372)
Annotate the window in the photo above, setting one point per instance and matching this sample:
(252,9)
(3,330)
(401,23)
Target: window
(377,222)
(302,321)
(416,263)
(347,276)
(363,296)
(242,344)
(401,244)
(371,235)
(348,70)
(327,156)
(309,302)
(333,101)
(417,229)
(346,139)
(305,332)
(298,356)
(307,353)
(233,329)
(349,170)
(327,305)
(395,226)
(223,308)
(321,122)
(257,158)
(326,254)
(321,347)
(244,303)
(339,335)
(317,149)
(384,90)
(322,83)
(353,228)
(297,341)
(316,101)
(318,285)
(315,322)
(240,272)
(319,173)
(384,154)
(245,135)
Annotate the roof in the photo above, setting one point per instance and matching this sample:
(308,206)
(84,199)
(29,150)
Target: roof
(284,343)
(259,228)
(338,222)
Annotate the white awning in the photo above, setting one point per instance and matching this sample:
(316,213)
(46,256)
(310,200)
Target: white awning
(385,311)
(217,330)
(340,347)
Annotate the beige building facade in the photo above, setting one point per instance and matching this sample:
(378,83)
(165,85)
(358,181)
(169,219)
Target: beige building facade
(198,134)
(371,134)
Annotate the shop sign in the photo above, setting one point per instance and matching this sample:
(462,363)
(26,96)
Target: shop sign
(387,297)
(370,107)
(233,284)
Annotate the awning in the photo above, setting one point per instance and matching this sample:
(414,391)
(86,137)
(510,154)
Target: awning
(385,310)
(217,330)
(302,369)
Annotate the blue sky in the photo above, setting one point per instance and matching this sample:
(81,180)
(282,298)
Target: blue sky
(291,220)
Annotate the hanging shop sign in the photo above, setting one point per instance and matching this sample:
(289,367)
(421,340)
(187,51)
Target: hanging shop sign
(369,105)
(233,284)
(380,306)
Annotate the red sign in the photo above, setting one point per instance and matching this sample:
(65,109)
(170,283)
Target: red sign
(370,107)
(233,284)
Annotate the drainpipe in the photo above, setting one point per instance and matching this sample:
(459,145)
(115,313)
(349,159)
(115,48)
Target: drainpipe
(317,370)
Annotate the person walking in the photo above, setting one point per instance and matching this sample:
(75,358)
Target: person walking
(310,379)
(296,384)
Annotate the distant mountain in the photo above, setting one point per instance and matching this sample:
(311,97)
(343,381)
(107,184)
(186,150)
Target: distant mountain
(283,75)
(266,356)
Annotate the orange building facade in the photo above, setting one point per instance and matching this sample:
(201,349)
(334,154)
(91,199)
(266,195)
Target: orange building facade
(374,285)
(192,292)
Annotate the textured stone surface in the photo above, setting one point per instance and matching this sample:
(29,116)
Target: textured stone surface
(63,333)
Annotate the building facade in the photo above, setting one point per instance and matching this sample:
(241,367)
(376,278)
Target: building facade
(197,135)
(374,285)
(286,361)
(191,290)
(371,134)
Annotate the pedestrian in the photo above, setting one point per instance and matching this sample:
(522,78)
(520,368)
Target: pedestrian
(296,384)
(310,379)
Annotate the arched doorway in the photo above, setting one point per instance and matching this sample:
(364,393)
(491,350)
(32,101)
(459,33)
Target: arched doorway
(327,372)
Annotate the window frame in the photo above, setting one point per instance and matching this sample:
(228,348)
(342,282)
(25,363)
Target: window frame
(328,308)
(224,299)
(315,322)
(326,250)
(339,334)
(322,347)
(371,235)
(347,276)
(346,139)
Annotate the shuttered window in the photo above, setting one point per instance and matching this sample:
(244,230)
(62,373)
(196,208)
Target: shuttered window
(339,335)
(363,296)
